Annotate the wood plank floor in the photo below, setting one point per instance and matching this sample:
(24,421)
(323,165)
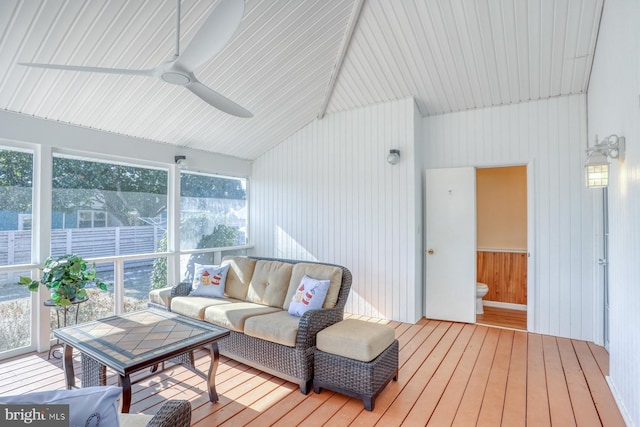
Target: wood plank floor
(503,317)
(450,374)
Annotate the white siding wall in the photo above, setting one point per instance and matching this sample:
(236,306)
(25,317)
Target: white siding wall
(327,194)
(613,100)
(550,136)
(21,128)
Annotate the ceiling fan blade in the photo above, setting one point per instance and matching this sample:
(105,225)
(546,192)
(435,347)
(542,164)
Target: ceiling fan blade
(216,31)
(90,69)
(218,101)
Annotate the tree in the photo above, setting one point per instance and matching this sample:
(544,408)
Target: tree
(119,189)
(16,180)
(126,192)
(194,185)
(159,273)
(222,236)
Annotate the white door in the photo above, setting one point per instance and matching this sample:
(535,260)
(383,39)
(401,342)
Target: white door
(450,244)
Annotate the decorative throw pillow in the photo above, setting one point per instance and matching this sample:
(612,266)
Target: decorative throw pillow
(88,406)
(309,295)
(209,280)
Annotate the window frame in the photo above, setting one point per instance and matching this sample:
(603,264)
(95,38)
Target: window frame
(93,213)
(43,152)
(214,175)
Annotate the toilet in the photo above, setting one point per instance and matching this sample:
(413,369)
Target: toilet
(481,291)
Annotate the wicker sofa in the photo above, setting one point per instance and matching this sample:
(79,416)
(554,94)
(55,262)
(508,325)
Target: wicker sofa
(263,334)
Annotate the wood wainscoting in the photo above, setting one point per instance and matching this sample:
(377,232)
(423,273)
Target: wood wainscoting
(506,275)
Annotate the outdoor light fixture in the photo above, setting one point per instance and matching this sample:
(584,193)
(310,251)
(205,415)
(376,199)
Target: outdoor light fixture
(597,165)
(393,157)
(181,161)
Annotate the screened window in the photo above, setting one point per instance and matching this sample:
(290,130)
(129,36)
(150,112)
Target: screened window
(213,211)
(105,209)
(16,177)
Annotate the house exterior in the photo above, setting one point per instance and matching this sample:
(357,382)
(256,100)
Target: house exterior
(300,207)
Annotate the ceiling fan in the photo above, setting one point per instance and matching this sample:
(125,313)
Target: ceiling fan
(216,31)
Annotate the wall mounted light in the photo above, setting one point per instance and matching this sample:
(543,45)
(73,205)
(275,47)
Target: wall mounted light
(597,165)
(393,157)
(181,161)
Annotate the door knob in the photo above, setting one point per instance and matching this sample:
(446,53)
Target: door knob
(430,251)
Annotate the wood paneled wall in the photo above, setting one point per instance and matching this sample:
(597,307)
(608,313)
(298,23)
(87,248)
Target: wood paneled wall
(327,193)
(549,136)
(506,275)
(613,109)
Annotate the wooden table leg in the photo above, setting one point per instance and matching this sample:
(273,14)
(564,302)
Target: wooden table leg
(68,367)
(211,377)
(125,383)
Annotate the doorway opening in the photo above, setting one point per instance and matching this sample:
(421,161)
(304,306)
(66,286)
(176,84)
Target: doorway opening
(501,253)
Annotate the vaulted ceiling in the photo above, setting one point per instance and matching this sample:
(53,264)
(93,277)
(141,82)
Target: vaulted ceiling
(290,62)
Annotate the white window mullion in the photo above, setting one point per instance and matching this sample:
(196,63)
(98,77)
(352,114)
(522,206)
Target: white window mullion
(41,241)
(173,226)
(118,290)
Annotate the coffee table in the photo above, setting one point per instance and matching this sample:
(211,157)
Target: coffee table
(135,341)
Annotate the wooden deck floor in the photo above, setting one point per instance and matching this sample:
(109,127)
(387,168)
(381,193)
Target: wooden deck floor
(503,317)
(450,374)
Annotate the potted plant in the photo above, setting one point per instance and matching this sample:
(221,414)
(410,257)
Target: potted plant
(66,278)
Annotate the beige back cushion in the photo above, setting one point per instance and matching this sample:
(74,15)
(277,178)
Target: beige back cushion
(239,276)
(269,283)
(318,272)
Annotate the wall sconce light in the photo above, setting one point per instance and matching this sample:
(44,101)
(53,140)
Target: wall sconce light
(597,165)
(181,161)
(393,157)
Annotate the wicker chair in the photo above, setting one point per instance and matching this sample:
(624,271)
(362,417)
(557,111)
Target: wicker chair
(293,364)
(174,413)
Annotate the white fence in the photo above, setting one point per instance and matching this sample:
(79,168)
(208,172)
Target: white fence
(15,246)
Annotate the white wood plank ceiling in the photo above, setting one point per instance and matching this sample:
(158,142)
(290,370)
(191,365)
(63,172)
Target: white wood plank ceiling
(450,55)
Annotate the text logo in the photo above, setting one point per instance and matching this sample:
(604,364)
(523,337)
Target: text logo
(34,415)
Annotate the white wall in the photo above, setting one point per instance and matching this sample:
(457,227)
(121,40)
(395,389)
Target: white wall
(20,128)
(550,136)
(327,194)
(614,108)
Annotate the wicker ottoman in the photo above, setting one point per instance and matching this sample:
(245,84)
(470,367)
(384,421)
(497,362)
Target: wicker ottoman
(356,358)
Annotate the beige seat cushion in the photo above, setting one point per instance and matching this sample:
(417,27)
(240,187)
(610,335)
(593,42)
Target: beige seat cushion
(238,276)
(194,307)
(161,296)
(134,420)
(318,272)
(279,327)
(270,283)
(233,316)
(355,339)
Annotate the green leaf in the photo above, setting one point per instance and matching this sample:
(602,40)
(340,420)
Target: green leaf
(64,302)
(66,277)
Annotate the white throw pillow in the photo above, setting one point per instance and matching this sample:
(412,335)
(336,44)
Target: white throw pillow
(309,295)
(209,280)
(90,406)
